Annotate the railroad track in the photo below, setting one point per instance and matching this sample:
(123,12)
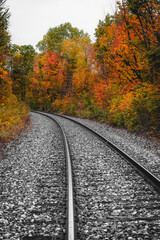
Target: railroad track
(70,223)
(151,179)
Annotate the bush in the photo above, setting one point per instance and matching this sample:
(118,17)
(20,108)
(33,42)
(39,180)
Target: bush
(65,105)
(13,116)
(137,110)
(146,105)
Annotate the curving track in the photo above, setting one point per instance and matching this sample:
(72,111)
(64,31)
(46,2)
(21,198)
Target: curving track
(70,229)
(152,179)
(113,201)
(110,196)
(33,184)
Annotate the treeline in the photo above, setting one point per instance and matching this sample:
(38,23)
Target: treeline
(115,80)
(13,112)
(128,56)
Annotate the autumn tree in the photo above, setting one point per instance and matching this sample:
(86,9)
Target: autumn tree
(47,80)
(4,48)
(75,52)
(127,53)
(22,60)
(78,53)
(4,37)
(53,40)
(65,69)
(102,48)
(142,19)
(13,113)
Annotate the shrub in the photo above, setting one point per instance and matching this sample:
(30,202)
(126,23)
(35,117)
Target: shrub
(13,116)
(146,105)
(137,110)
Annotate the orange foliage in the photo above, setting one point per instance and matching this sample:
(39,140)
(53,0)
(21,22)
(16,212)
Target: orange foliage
(110,78)
(47,80)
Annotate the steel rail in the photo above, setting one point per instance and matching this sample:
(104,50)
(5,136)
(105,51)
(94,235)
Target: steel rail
(145,173)
(70,229)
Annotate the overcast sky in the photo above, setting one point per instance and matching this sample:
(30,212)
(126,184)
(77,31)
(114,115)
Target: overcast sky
(31,19)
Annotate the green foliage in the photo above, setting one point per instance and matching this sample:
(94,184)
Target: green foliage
(146,105)
(27,53)
(153,56)
(135,5)
(99,32)
(21,64)
(53,40)
(4,46)
(4,37)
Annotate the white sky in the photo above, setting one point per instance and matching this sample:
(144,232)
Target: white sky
(31,19)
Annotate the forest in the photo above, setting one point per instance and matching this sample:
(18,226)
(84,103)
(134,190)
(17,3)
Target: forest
(114,80)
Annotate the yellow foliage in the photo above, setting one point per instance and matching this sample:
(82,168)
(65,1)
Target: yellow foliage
(13,115)
(136,109)
(126,102)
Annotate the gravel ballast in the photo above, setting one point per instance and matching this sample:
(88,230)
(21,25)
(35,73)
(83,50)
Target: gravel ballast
(33,184)
(113,201)
(144,150)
